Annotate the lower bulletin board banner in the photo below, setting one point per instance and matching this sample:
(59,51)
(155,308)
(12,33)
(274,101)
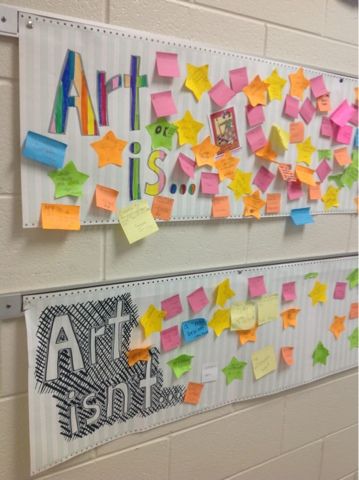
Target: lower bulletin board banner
(117,359)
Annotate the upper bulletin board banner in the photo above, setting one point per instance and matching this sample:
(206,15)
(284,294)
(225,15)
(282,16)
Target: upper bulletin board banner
(80,82)
(229,336)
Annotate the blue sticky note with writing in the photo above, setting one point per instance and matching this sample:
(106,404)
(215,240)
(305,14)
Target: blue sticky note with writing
(44,150)
(301,216)
(356,138)
(193,329)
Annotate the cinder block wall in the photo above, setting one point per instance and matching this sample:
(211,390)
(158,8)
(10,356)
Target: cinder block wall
(308,433)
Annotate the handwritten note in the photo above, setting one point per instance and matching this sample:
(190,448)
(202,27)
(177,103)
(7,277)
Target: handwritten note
(194,329)
(60,217)
(326,128)
(268,308)
(342,114)
(221,94)
(162,207)
(209,372)
(163,104)
(238,78)
(314,192)
(193,393)
(279,138)
(187,165)
(137,221)
(68,181)
(256,139)
(344,134)
(167,64)
(221,207)
(256,91)
(323,104)
(323,170)
(172,306)
(353,312)
(305,175)
(256,286)
(294,190)
(286,172)
(318,293)
(263,179)
(44,150)
(296,132)
(341,156)
(339,290)
(106,198)
(289,317)
(273,203)
(287,355)
(181,365)
(209,183)
(307,111)
(289,291)
(170,338)
(234,370)
(243,315)
(255,115)
(197,300)
(263,362)
(226,166)
(318,87)
(291,107)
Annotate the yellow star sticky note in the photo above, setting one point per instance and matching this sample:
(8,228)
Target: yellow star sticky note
(275,85)
(256,91)
(205,152)
(220,321)
(224,292)
(319,293)
(252,205)
(337,327)
(197,80)
(241,183)
(109,150)
(279,138)
(246,336)
(289,317)
(298,83)
(305,151)
(188,129)
(330,198)
(151,320)
(267,153)
(226,166)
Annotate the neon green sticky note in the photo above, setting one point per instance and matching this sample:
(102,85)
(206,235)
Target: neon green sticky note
(353,339)
(353,278)
(68,181)
(311,275)
(325,155)
(320,354)
(234,370)
(181,364)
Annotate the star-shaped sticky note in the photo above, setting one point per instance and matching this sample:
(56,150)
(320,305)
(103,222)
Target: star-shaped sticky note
(224,292)
(305,151)
(109,150)
(246,336)
(256,91)
(181,364)
(337,326)
(234,370)
(319,293)
(289,317)
(188,129)
(226,166)
(275,85)
(151,320)
(161,133)
(330,198)
(205,152)
(252,205)
(353,278)
(298,83)
(353,339)
(320,354)
(220,321)
(267,153)
(197,80)
(241,183)
(68,181)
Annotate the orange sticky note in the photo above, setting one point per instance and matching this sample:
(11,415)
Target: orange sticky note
(353,311)
(342,157)
(162,207)
(252,205)
(137,355)
(337,327)
(226,166)
(246,336)
(323,103)
(256,91)
(289,317)
(221,206)
(273,203)
(205,152)
(305,175)
(296,132)
(106,198)
(193,393)
(287,355)
(109,150)
(356,91)
(298,83)
(60,217)
(267,153)
(314,192)
(356,202)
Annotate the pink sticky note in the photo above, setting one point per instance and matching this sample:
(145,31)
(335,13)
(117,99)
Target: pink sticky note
(209,183)
(342,114)
(255,115)
(167,64)
(221,94)
(288,291)
(323,170)
(197,300)
(256,138)
(339,290)
(291,107)
(170,338)
(294,190)
(256,286)
(344,134)
(187,165)
(354,119)
(238,78)
(318,87)
(326,129)
(263,179)
(307,110)
(172,306)
(163,103)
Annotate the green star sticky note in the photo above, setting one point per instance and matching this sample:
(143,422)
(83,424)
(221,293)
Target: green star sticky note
(353,339)
(234,370)
(320,354)
(68,181)
(161,133)
(181,364)
(337,179)
(353,278)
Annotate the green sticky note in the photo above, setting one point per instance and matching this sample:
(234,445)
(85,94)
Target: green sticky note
(181,364)
(353,278)
(68,181)
(161,133)
(350,175)
(353,339)
(325,154)
(320,354)
(234,370)
(310,275)
(337,179)
(355,158)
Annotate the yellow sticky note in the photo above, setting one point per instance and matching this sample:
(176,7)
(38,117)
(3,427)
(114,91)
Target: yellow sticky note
(220,321)
(256,91)
(151,320)
(279,138)
(268,308)
(224,292)
(337,327)
(241,183)
(330,198)
(275,85)
(188,129)
(137,221)
(243,315)
(60,217)
(263,362)
(197,80)
(318,293)
(305,151)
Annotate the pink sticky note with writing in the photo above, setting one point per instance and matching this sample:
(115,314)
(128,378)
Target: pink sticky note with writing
(172,306)
(354,119)
(163,103)
(342,114)
(187,165)
(238,78)
(256,139)
(294,190)
(256,286)
(197,300)
(288,291)
(255,115)
(339,290)
(344,134)
(291,107)
(167,64)
(263,179)
(323,170)
(307,110)
(221,94)
(209,183)
(170,338)
(318,87)
(326,129)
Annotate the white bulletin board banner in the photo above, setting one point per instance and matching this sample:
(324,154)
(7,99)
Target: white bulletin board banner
(211,339)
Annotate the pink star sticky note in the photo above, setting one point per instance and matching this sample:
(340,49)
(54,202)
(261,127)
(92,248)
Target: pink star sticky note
(256,286)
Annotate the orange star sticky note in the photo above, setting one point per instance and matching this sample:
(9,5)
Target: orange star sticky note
(193,393)
(106,198)
(314,192)
(252,205)
(337,327)
(305,175)
(273,203)
(137,355)
(162,207)
(205,152)
(298,83)
(296,132)
(246,336)
(60,217)
(109,150)
(267,153)
(221,206)
(256,91)
(289,317)
(287,355)
(226,166)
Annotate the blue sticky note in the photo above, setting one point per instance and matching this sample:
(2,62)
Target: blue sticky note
(301,216)
(356,138)
(193,329)
(44,150)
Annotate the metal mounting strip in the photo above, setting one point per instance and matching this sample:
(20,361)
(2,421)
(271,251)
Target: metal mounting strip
(9,21)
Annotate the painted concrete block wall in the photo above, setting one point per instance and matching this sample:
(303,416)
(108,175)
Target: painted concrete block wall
(309,432)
